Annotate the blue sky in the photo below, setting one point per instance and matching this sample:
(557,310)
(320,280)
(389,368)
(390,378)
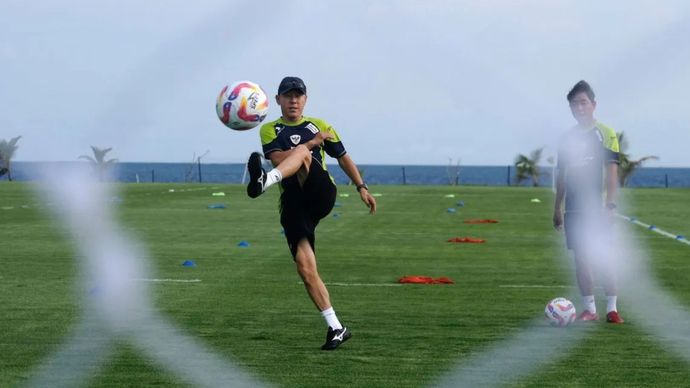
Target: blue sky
(404,82)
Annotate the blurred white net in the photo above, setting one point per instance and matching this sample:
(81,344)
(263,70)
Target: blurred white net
(119,307)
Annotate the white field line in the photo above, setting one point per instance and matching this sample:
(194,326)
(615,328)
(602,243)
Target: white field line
(400,284)
(653,228)
(361,284)
(168,280)
(532,286)
(187,190)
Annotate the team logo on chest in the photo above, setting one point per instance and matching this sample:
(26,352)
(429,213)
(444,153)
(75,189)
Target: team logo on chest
(295,139)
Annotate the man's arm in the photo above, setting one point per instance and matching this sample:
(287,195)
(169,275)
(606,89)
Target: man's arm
(278,156)
(350,168)
(611,185)
(558,203)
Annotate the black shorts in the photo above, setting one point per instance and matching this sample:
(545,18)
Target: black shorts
(301,208)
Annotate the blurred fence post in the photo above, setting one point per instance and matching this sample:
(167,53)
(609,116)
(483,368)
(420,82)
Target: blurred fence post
(508,177)
(198,164)
(403,176)
(153,176)
(666,179)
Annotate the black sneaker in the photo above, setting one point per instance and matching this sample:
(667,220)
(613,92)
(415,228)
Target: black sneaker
(257,175)
(336,337)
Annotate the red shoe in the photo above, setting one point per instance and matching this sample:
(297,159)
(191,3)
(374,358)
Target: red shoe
(587,316)
(613,317)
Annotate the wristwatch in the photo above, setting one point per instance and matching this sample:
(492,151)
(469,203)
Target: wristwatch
(611,206)
(362,186)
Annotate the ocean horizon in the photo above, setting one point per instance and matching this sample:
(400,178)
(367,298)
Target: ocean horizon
(374,174)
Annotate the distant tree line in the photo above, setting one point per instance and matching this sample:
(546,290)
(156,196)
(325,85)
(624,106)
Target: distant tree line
(526,166)
(9,148)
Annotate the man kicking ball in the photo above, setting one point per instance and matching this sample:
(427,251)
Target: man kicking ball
(296,146)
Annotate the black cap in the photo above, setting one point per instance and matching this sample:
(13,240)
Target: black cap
(291,83)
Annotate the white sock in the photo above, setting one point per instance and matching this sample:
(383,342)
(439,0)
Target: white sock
(588,304)
(331,320)
(272,177)
(611,303)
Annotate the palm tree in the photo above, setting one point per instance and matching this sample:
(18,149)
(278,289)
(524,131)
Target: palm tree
(7,150)
(528,167)
(453,171)
(98,161)
(627,166)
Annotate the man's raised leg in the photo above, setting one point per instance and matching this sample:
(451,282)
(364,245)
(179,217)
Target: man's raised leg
(259,180)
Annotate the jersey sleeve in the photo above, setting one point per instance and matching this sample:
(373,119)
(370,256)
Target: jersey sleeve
(269,139)
(334,146)
(610,142)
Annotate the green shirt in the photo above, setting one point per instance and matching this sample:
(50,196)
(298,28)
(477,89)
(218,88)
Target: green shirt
(280,135)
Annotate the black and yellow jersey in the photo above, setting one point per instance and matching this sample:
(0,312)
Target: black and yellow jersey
(582,156)
(280,135)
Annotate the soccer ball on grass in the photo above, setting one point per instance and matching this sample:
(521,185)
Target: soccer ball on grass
(242,105)
(560,312)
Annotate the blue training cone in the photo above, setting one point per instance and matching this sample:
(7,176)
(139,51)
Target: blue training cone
(243,244)
(95,291)
(189,263)
(451,210)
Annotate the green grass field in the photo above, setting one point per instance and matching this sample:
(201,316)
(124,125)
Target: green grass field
(250,306)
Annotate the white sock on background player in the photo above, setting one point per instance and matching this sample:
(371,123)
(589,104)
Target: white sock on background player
(331,318)
(588,304)
(611,303)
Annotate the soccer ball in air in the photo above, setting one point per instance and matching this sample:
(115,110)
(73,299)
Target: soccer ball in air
(242,105)
(560,312)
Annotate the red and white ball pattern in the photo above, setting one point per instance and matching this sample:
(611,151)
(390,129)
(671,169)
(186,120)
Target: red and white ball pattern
(560,312)
(242,105)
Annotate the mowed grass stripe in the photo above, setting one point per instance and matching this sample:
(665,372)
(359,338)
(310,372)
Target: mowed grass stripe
(250,307)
